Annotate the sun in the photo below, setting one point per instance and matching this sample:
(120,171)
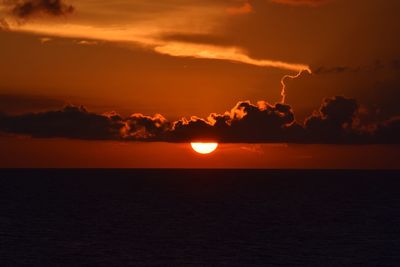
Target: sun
(204,148)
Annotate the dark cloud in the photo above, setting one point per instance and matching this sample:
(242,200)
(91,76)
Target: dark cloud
(333,123)
(246,123)
(376,65)
(193,129)
(140,127)
(389,131)
(336,122)
(27,8)
(334,70)
(70,122)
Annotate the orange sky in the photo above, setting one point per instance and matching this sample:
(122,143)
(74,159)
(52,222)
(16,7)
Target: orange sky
(57,153)
(191,57)
(117,70)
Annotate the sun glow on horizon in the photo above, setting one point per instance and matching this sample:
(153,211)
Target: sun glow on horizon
(204,148)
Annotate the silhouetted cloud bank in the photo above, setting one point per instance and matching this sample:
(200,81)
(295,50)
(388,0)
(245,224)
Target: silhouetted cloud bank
(336,122)
(70,122)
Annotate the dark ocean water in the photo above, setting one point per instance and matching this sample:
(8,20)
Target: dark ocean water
(199,218)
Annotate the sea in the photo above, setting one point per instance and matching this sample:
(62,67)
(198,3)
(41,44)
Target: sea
(178,217)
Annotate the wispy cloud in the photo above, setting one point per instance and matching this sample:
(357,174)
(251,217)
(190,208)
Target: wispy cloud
(301,2)
(233,54)
(181,19)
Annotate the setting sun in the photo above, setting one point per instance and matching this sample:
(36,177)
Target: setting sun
(204,148)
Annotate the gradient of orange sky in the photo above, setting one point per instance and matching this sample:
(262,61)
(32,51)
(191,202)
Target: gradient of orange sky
(123,70)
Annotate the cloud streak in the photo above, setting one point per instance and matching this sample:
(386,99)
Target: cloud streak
(148,34)
(312,3)
(233,54)
(284,78)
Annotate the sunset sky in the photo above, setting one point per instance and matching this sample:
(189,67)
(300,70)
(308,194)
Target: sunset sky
(130,83)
